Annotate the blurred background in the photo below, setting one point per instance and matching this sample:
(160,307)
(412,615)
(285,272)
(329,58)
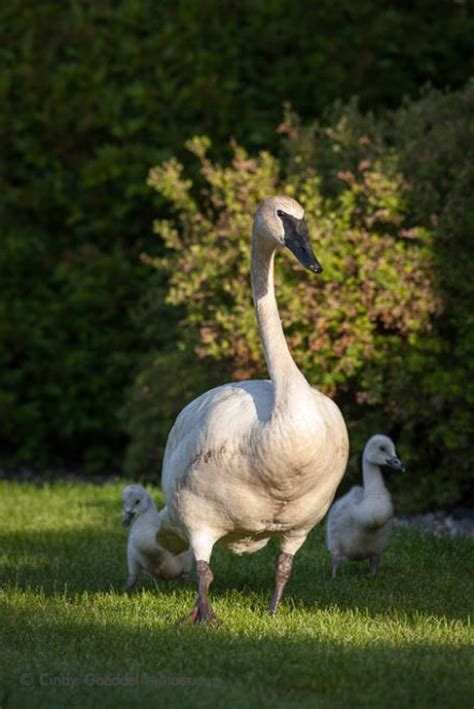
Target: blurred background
(137,139)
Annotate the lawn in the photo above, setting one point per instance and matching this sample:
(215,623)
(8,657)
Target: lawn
(71,637)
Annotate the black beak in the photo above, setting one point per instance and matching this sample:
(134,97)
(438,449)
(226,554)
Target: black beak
(127,518)
(395,464)
(297,240)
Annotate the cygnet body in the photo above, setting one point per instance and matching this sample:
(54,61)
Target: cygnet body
(143,551)
(359,523)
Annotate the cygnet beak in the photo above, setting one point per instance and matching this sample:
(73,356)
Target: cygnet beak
(127,518)
(396,464)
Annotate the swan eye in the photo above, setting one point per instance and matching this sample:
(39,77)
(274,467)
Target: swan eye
(280,213)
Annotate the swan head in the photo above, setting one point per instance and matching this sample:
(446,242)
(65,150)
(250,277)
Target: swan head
(381,451)
(135,501)
(280,220)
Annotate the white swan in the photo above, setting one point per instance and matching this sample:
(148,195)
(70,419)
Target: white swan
(252,460)
(360,522)
(143,551)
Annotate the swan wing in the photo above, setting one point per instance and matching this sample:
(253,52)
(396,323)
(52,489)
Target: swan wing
(214,422)
(171,538)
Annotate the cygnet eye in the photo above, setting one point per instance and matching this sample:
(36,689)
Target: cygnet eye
(136,502)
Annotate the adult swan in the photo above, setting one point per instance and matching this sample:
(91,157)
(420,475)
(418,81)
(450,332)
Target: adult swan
(253,460)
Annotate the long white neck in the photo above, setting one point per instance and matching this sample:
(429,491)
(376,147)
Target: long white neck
(373,480)
(283,371)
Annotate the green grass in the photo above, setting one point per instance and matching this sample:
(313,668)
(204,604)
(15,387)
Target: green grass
(402,639)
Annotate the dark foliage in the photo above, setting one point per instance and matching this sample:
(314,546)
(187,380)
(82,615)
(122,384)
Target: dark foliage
(93,94)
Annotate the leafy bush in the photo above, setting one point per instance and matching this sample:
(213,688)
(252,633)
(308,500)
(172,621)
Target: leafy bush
(351,329)
(373,330)
(433,140)
(65,349)
(375,284)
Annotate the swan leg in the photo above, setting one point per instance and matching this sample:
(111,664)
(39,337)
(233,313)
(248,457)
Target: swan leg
(202,611)
(282,574)
(336,558)
(202,543)
(374,561)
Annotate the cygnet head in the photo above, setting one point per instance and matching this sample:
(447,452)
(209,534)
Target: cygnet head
(381,451)
(281,220)
(135,501)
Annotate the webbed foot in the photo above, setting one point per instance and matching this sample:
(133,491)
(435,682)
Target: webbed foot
(202,611)
(200,614)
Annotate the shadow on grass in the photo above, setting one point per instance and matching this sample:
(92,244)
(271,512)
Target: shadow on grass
(418,574)
(198,667)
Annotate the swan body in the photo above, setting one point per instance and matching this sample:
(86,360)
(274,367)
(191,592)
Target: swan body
(143,551)
(359,523)
(253,460)
(237,484)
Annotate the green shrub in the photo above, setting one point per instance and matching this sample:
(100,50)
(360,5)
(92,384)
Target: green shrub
(65,348)
(349,330)
(382,329)
(433,140)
